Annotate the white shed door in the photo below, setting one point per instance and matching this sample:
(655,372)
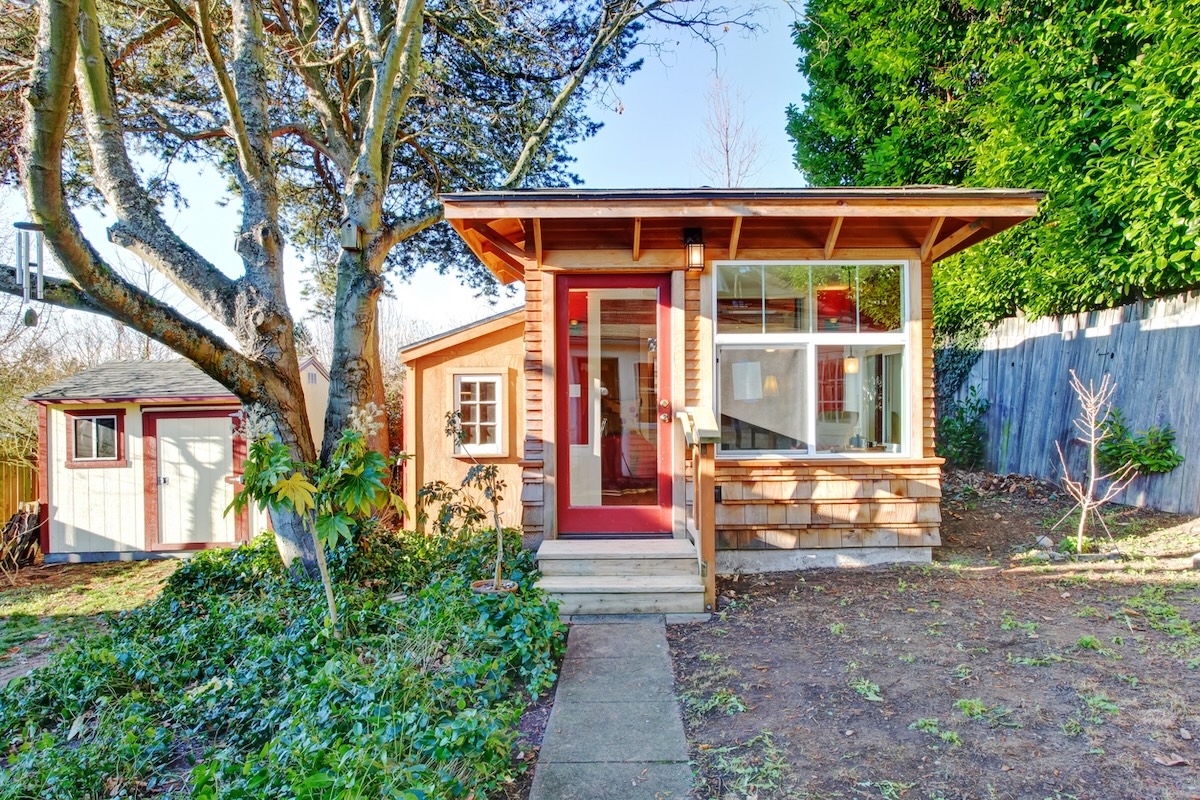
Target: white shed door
(195,456)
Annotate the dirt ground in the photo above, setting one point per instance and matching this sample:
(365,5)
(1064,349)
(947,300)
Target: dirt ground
(980,676)
(43,606)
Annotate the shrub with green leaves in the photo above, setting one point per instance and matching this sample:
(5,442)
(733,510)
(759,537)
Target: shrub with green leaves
(961,431)
(231,685)
(1149,452)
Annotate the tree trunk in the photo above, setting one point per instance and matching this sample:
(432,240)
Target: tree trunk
(352,375)
(295,543)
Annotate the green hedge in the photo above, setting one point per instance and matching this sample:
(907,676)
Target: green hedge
(229,684)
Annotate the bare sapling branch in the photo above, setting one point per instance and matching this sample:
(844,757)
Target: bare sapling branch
(1094,489)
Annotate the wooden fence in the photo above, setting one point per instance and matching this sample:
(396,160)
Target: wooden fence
(1152,350)
(18,484)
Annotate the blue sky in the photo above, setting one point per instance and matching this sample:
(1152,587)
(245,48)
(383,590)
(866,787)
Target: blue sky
(651,143)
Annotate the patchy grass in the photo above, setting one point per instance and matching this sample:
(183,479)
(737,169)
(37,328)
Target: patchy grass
(49,605)
(973,677)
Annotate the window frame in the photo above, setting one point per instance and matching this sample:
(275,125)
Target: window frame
(499,377)
(809,342)
(74,461)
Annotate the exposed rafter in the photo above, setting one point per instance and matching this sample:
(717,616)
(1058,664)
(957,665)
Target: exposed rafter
(955,239)
(935,228)
(637,238)
(831,238)
(507,252)
(734,236)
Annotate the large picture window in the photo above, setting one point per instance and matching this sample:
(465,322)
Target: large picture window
(811,358)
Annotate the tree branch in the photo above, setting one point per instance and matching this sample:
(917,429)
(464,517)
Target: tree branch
(608,29)
(338,147)
(391,235)
(51,87)
(59,292)
(139,226)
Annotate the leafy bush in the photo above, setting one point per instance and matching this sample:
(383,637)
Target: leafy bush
(230,685)
(1150,451)
(961,431)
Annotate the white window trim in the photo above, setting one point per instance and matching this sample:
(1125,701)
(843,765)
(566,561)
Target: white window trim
(500,377)
(75,420)
(809,342)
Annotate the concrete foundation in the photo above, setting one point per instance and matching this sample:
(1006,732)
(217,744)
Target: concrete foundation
(754,561)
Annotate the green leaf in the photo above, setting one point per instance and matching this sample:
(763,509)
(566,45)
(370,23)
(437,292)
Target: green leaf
(297,491)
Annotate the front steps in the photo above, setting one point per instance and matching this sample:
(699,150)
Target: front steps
(622,576)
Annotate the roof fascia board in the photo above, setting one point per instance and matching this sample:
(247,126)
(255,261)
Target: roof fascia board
(482,328)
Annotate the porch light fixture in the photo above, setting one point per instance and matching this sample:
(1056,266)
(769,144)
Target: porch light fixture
(850,365)
(693,240)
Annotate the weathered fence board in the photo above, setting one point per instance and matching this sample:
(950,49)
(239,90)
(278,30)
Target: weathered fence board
(1152,350)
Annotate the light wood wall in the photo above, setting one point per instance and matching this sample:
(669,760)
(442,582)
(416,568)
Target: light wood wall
(428,397)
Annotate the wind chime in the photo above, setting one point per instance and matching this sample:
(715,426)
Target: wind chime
(30,272)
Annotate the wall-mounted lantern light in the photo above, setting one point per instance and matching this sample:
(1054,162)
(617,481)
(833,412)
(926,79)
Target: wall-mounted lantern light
(351,235)
(693,239)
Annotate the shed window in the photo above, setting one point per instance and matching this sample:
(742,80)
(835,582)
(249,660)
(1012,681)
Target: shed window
(811,358)
(479,402)
(95,438)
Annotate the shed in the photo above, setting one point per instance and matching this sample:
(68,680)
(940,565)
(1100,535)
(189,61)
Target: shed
(476,370)
(139,459)
(721,379)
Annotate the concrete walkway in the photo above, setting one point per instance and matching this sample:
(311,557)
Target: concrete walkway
(615,732)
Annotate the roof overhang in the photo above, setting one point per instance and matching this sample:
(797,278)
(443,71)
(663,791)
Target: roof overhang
(512,232)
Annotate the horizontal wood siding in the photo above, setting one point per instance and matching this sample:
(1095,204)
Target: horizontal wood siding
(786,506)
(1152,351)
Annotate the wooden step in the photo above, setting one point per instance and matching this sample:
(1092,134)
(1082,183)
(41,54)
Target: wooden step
(618,557)
(626,594)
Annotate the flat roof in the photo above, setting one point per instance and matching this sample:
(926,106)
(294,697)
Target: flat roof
(563,229)
(917,192)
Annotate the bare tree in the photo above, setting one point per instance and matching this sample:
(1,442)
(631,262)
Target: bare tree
(730,152)
(1095,408)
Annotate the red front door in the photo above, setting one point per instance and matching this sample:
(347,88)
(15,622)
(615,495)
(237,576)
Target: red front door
(614,413)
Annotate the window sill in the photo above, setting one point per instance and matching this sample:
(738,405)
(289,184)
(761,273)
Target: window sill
(478,456)
(98,464)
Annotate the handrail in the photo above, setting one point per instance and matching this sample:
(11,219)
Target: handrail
(701,433)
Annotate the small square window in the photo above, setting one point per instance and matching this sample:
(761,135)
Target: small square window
(312,377)
(95,438)
(478,401)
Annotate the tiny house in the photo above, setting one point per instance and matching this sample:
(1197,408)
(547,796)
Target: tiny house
(732,380)
(139,459)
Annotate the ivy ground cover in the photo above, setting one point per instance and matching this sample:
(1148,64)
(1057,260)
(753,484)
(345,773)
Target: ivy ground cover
(231,684)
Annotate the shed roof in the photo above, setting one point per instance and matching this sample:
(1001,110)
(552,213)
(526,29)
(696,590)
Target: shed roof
(471,330)
(514,230)
(130,381)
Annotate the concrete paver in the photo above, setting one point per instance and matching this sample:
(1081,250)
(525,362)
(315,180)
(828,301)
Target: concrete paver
(615,729)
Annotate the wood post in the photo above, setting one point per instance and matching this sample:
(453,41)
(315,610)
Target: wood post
(705,474)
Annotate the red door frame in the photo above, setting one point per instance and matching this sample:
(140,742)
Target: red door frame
(241,523)
(616,520)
